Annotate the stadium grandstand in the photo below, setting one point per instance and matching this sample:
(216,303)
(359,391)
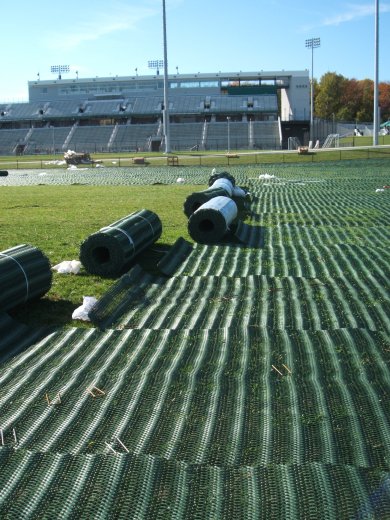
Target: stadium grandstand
(243,110)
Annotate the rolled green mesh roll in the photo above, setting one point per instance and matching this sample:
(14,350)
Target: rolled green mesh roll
(221,175)
(25,274)
(109,251)
(220,187)
(197,199)
(210,223)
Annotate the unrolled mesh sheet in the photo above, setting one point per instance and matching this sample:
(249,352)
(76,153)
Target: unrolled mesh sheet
(174,258)
(109,251)
(126,292)
(129,290)
(251,236)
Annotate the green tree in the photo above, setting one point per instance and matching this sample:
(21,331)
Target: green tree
(329,96)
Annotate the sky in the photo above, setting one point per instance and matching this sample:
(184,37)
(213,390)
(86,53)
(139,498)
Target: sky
(100,38)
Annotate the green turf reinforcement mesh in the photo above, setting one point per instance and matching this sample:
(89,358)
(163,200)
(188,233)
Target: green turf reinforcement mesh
(225,397)
(175,257)
(252,383)
(138,486)
(256,300)
(130,290)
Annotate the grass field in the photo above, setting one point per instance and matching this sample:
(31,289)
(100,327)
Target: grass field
(252,384)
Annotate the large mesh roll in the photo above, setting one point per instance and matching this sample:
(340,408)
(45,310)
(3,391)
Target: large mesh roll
(222,175)
(210,223)
(25,274)
(220,187)
(197,199)
(109,251)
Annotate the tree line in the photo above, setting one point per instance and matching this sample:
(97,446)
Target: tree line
(342,99)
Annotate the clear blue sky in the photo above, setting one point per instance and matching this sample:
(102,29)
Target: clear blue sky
(114,37)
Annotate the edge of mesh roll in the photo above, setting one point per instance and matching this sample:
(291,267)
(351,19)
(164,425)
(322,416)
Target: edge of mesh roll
(109,251)
(25,274)
(125,293)
(251,236)
(176,255)
(129,289)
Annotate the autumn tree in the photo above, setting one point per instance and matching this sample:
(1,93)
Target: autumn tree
(349,99)
(366,108)
(384,100)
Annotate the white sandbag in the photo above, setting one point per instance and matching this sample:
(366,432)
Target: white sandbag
(68,267)
(82,312)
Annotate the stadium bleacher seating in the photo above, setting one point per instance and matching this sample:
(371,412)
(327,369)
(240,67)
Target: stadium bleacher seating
(132,123)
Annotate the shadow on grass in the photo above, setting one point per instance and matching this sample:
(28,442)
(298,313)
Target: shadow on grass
(46,313)
(16,337)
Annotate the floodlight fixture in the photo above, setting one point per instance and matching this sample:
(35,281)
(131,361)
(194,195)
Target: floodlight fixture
(156,65)
(59,69)
(312,43)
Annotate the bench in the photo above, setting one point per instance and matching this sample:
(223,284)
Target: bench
(172,160)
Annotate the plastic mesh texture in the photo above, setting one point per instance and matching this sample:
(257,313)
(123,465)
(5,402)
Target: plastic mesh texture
(252,384)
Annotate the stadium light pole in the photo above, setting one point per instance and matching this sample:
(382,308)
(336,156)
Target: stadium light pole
(312,43)
(166,106)
(376,78)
